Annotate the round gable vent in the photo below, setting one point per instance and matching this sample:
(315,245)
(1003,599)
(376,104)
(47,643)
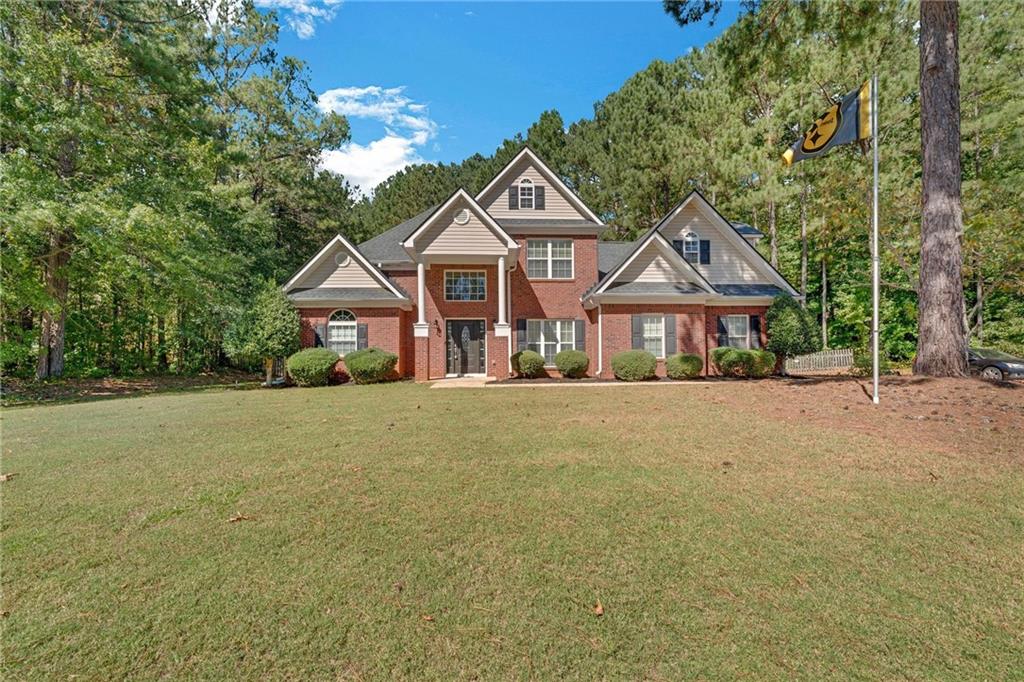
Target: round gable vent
(462,216)
(341,259)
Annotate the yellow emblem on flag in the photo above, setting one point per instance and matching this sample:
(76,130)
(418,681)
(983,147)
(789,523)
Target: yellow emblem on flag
(844,122)
(823,130)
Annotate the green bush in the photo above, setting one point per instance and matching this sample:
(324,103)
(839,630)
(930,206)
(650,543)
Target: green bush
(370,365)
(863,365)
(312,366)
(528,363)
(684,366)
(572,363)
(792,330)
(764,363)
(634,365)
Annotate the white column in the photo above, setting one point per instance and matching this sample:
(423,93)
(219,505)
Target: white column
(421,293)
(502,278)
(421,328)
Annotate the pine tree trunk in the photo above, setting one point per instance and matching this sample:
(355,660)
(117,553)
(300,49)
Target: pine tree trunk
(772,233)
(942,339)
(51,335)
(824,304)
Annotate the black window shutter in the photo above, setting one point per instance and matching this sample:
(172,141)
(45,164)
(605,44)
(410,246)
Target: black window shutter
(538,198)
(361,336)
(580,337)
(677,244)
(638,332)
(670,335)
(755,331)
(319,335)
(521,335)
(513,198)
(705,252)
(723,332)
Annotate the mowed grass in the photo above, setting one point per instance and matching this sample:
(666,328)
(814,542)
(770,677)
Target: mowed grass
(401,532)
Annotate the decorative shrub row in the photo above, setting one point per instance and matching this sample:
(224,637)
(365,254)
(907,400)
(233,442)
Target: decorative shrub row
(736,362)
(371,365)
(528,364)
(684,366)
(634,365)
(312,366)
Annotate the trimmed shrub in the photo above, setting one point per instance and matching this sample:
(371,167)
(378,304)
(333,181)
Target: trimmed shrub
(764,363)
(370,365)
(684,366)
(572,363)
(732,362)
(634,365)
(863,365)
(792,330)
(529,364)
(312,366)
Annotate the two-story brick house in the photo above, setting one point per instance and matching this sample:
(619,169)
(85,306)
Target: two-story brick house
(459,288)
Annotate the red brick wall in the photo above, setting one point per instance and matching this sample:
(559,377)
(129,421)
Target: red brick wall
(711,326)
(617,330)
(438,310)
(557,299)
(384,330)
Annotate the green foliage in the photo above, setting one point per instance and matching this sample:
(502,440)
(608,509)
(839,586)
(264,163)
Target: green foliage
(572,363)
(684,366)
(268,329)
(634,365)
(763,363)
(371,365)
(528,363)
(738,362)
(791,330)
(863,364)
(312,366)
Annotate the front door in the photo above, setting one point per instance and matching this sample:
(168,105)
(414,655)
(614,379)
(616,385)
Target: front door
(466,347)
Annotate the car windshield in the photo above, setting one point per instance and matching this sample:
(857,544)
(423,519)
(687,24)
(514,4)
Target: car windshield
(992,354)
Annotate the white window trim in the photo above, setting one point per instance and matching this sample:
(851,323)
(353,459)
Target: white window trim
(729,336)
(560,344)
(527,183)
(691,238)
(444,284)
(353,323)
(549,259)
(661,353)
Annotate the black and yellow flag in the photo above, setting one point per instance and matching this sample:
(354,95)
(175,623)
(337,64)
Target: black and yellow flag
(847,121)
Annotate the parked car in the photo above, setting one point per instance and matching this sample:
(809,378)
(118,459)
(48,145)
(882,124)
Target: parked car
(995,364)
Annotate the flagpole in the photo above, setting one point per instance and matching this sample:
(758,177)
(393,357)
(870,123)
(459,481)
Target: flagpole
(874,238)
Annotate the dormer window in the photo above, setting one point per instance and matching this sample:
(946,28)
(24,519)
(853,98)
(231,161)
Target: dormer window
(526,194)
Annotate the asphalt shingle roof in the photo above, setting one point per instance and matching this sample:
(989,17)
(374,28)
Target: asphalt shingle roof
(516,223)
(654,288)
(340,294)
(748,289)
(611,254)
(386,247)
(747,230)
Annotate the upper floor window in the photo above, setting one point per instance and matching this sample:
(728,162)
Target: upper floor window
(526,193)
(693,249)
(549,259)
(341,332)
(465,285)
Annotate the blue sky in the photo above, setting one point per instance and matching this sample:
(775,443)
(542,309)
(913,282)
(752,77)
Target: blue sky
(424,81)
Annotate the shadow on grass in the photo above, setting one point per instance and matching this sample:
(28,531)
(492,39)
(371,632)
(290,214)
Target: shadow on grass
(22,393)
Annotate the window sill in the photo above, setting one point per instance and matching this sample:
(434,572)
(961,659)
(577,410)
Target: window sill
(551,279)
(482,300)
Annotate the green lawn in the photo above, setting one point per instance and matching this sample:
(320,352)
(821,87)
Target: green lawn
(401,532)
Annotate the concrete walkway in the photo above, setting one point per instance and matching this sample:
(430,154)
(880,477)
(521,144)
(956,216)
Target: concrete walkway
(462,382)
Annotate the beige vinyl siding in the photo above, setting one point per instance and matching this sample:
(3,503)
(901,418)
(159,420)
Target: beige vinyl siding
(556,205)
(728,264)
(449,238)
(327,273)
(651,266)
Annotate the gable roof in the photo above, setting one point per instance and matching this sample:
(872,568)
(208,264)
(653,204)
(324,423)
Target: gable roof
(729,231)
(551,176)
(409,243)
(386,247)
(682,265)
(355,253)
(610,254)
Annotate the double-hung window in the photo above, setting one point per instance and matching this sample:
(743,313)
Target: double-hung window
(465,285)
(688,247)
(549,259)
(653,327)
(737,329)
(341,332)
(549,337)
(525,193)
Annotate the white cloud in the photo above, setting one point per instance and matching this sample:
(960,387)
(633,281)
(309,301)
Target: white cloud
(407,127)
(303,15)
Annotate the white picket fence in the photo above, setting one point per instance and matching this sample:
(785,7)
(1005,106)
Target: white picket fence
(830,360)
